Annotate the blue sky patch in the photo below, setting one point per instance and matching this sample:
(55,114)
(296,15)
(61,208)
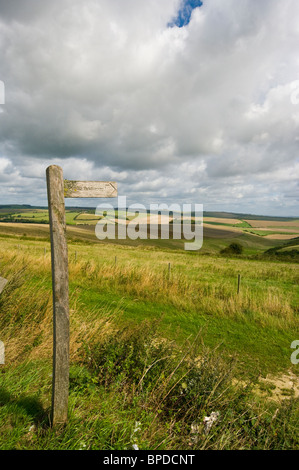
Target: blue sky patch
(184,13)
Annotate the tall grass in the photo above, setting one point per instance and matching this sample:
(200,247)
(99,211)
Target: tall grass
(269,293)
(130,385)
(266,300)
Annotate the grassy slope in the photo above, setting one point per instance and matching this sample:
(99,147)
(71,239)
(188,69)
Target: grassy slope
(259,323)
(257,326)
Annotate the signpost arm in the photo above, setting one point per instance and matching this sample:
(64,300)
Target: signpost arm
(59,256)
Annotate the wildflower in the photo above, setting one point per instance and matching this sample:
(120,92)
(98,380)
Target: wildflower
(210,420)
(194,433)
(136,429)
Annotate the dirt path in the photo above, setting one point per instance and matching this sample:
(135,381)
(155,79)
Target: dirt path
(280,387)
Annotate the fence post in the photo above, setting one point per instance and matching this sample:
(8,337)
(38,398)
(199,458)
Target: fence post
(239,283)
(59,256)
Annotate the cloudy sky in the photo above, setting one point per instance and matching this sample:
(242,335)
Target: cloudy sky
(175,100)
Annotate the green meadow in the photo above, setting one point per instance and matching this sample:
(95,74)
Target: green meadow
(160,338)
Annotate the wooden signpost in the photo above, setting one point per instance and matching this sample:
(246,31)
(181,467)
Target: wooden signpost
(59,189)
(89,189)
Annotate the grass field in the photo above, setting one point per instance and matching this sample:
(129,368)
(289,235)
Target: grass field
(153,350)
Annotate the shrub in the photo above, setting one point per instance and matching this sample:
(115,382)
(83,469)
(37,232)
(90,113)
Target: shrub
(132,356)
(232,249)
(180,388)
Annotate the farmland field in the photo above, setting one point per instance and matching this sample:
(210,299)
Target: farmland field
(274,224)
(272,229)
(143,315)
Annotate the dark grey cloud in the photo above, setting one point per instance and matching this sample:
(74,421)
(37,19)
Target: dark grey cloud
(25,11)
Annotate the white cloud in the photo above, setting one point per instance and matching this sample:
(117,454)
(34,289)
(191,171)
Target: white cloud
(108,90)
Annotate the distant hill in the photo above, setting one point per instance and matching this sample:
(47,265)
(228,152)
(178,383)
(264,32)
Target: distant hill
(232,215)
(16,206)
(289,249)
(219,215)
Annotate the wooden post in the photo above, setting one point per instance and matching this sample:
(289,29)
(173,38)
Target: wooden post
(58,189)
(239,282)
(59,256)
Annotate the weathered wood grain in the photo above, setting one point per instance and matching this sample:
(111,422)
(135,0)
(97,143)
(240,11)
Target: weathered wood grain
(59,256)
(89,189)
(3,283)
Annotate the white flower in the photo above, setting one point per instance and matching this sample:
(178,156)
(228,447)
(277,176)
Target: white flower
(137,426)
(194,433)
(136,429)
(210,420)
